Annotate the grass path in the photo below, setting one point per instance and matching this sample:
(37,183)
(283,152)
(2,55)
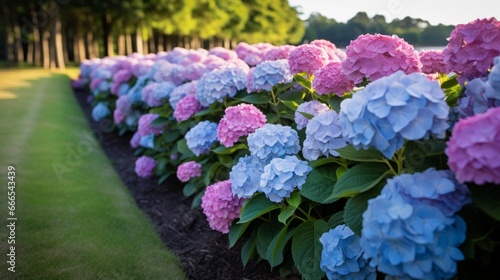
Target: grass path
(76,220)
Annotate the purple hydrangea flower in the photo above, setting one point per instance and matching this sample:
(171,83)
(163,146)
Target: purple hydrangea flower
(342,256)
(331,79)
(267,74)
(221,82)
(186,108)
(188,170)
(144,166)
(323,136)
(273,140)
(307,58)
(393,109)
(220,206)
(182,91)
(201,137)
(474,147)
(145,127)
(245,176)
(281,176)
(432,61)
(155,94)
(310,107)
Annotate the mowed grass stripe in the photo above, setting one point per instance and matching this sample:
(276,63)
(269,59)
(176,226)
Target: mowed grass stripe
(76,220)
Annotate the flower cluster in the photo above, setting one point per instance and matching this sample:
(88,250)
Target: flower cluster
(155,94)
(100,111)
(377,56)
(279,52)
(432,61)
(323,136)
(472,47)
(405,236)
(342,256)
(474,148)
(220,206)
(201,137)
(182,91)
(188,170)
(334,54)
(144,166)
(238,121)
(331,79)
(145,127)
(273,140)
(219,83)
(313,108)
(268,74)
(187,107)
(393,109)
(135,140)
(252,54)
(123,108)
(245,176)
(223,53)
(307,58)
(281,176)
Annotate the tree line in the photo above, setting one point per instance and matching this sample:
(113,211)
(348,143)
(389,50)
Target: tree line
(51,33)
(415,31)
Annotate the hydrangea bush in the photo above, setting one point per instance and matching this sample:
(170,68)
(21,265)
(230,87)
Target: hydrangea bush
(375,162)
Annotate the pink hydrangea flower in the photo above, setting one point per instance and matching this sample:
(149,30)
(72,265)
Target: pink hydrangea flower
(223,53)
(334,54)
(238,121)
(118,116)
(331,79)
(94,84)
(123,104)
(472,47)
(279,52)
(432,61)
(135,140)
(142,67)
(377,56)
(188,170)
(307,58)
(120,77)
(474,148)
(220,206)
(144,166)
(186,108)
(252,54)
(144,126)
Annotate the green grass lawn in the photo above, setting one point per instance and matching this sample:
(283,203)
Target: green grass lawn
(75,218)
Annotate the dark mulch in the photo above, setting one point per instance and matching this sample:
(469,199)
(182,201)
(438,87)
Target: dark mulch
(203,252)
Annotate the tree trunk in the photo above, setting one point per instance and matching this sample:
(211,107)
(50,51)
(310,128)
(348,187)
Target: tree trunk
(159,43)
(29,52)
(121,44)
(16,29)
(234,43)
(227,43)
(45,36)
(78,43)
(167,42)
(9,37)
(95,47)
(37,55)
(107,36)
(128,43)
(151,42)
(89,49)
(64,41)
(138,40)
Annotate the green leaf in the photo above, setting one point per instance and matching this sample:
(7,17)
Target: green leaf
(183,148)
(197,200)
(257,98)
(265,235)
(208,112)
(171,136)
(226,160)
(323,161)
(306,249)
(159,121)
(336,219)
(297,96)
(487,198)
(359,178)
(190,188)
(340,171)
(207,178)
(275,250)
(307,115)
(235,232)
(320,184)
(356,206)
(256,207)
(302,81)
(165,177)
(290,104)
(221,150)
(286,213)
(294,199)
(334,102)
(350,153)
(248,250)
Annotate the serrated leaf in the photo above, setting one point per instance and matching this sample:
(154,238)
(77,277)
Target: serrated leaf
(222,150)
(350,153)
(306,249)
(487,198)
(356,206)
(256,207)
(265,235)
(235,232)
(359,178)
(320,184)
(336,219)
(294,199)
(286,213)
(257,98)
(275,250)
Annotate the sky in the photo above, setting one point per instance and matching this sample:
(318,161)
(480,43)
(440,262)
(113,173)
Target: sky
(435,11)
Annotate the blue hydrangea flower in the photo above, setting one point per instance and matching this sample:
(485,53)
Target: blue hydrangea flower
(134,94)
(323,136)
(245,176)
(201,137)
(163,90)
(437,188)
(311,107)
(180,92)
(341,257)
(270,73)
(494,79)
(405,237)
(100,111)
(273,140)
(147,141)
(219,83)
(123,89)
(133,118)
(392,109)
(281,176)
